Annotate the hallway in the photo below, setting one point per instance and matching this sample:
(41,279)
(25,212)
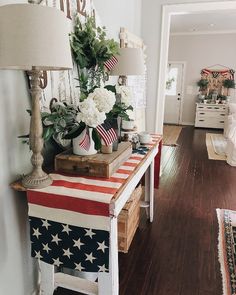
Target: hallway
(177,254)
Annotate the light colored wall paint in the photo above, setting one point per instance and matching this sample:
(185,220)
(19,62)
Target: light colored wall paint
(200,51)
(115,14)
(151,33)
(17,271)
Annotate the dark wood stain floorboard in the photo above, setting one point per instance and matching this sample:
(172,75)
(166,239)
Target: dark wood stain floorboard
(177,254)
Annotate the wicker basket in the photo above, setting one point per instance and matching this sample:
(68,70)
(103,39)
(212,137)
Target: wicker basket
(128,220)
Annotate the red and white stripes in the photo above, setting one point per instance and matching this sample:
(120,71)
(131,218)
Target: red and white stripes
(81,201)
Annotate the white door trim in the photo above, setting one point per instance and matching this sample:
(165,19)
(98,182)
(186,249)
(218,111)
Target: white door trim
(167,12)
(184,63)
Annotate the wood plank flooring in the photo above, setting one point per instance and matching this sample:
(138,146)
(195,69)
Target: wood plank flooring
(177,253)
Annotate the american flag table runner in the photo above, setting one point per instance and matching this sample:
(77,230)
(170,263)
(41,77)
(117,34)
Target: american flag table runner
(70,219)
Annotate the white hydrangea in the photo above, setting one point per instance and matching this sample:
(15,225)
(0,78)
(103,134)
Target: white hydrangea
(104,99)
(125,93)
(89,114)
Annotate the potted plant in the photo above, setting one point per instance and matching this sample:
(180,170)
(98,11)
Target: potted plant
(90,113)
(119,112)
(202,84)
(222,98)
(228,84)
(91,50)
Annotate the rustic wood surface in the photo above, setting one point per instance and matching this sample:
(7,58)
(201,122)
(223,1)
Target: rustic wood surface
(177,254)
(98,165)
(128,220)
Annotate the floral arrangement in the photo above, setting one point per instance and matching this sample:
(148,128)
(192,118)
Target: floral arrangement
(123,102)
(91,113)
(91,49)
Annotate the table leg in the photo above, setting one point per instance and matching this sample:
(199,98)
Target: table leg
(47,278)
(149,190)
(108,283)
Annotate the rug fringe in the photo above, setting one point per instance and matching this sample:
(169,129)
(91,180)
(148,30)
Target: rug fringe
(220,252)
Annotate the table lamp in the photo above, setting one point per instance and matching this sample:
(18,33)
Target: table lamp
(34,38)
(130,62)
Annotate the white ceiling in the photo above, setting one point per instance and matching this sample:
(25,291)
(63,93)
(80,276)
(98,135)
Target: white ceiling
(203,23)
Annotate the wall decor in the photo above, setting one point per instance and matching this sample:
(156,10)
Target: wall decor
(216,77)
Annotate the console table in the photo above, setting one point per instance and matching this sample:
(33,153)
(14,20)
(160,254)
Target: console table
(108,282)
(210,115)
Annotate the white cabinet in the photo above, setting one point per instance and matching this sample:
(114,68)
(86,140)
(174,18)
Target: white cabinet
(210,115)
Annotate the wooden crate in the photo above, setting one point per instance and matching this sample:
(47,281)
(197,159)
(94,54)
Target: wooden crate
(128,220)
(98,165)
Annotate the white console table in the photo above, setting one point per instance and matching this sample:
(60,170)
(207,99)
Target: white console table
(210,115)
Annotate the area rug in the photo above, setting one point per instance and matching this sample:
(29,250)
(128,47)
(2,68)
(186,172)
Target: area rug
(171,134)
(219,143)
(227,249)
(216,146)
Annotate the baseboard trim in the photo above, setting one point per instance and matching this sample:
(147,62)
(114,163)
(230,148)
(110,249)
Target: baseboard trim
(188,123)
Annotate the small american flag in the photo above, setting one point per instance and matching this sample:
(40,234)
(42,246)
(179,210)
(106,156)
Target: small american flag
(85,142)
(110,63)
(107,133)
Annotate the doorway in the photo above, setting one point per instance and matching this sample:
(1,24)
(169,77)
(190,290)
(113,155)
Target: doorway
(174,93)
(167,12)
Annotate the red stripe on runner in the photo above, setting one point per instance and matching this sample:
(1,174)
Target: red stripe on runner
(68,203)
(111,179)
(85,187)
(123,171)
(130,164)
(136,158)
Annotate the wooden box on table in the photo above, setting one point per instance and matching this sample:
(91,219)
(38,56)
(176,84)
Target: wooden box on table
(128,220)
(98,165)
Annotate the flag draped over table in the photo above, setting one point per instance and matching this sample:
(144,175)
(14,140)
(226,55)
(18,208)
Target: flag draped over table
(70,219)
(110,63)
(107,133)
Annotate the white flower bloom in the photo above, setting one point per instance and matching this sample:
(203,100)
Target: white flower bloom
(89,114)
(104,99)
(126,94)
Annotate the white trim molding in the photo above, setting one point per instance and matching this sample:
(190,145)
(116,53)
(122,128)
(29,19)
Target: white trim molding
(167,12)
(188,123)
(219,32)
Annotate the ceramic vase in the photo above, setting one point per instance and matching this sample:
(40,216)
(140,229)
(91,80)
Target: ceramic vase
(80,151)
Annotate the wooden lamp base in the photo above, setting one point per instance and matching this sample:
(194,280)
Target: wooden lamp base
(37,178)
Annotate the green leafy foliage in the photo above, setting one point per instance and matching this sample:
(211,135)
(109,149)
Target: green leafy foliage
(91,49)
(228,83)
(202,83)
(75,131)
(97,140)
(119,109)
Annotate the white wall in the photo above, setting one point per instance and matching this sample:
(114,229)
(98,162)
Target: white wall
(17,275)
(200,51)
(151,33)
(115,14)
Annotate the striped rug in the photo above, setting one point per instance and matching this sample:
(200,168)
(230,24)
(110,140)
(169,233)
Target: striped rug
(227,249)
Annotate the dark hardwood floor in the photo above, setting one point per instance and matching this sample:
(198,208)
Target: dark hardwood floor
(177,253)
